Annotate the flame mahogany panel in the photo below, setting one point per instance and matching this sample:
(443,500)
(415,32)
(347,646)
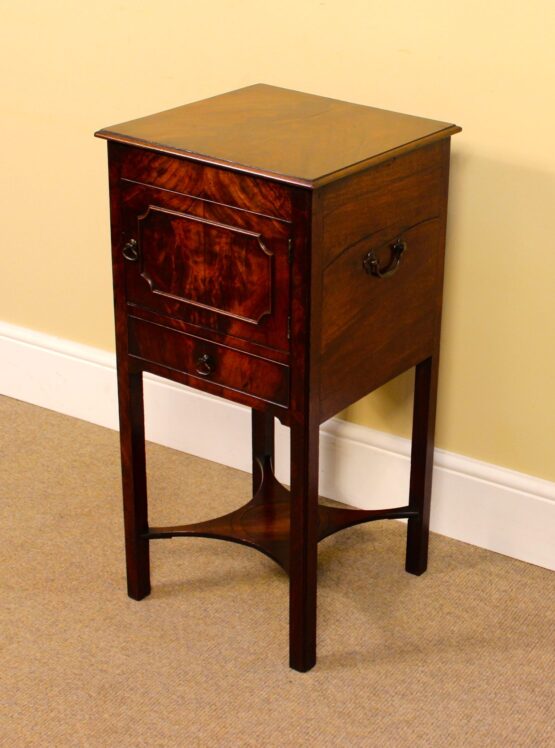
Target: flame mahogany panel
(208,264)
(210,183)
(211,265)
(209,366)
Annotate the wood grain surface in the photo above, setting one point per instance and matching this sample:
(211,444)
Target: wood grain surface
(287,256)
(290,135)
(207,363)
(207,263)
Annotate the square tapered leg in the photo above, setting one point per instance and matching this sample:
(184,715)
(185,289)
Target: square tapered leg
(133,465)
(303,545)
(422,460)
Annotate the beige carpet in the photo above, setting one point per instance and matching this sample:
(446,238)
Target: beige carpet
(463,656)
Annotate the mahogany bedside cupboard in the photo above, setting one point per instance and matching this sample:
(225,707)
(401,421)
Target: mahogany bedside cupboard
(284,251)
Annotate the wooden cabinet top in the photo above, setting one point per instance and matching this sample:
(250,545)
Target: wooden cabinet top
(287,135)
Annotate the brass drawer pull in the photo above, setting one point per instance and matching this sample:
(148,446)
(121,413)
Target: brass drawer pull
(131,251)
(372,266)
(205,365)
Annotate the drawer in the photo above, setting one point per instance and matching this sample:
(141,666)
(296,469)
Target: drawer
(398,193)
(373,328)
(209,366)
(191,178)
(211,265)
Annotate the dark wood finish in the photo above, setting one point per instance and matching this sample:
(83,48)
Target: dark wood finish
(392,319)
(263,434)
(264,196)
(296,137)
(229,368)
(424,418)
(422,458)
(281,412)
(131,420)
(397,194)
(293,271)
(221,268)
(264,524)
(305,420)
(215,336)
(132,442)
(205,254)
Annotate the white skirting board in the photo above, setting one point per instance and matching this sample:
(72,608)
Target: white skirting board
(473,501)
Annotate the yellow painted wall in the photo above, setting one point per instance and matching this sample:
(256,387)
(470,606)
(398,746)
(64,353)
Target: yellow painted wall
(69,68)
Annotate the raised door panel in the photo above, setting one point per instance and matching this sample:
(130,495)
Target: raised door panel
(220,268)
(208,264)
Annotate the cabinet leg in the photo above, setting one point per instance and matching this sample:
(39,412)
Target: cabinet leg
(262,447)
(422,459)
(132,442)
(303,546)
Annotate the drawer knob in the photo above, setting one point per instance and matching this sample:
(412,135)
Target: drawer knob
(372,266)
(205,365)
(131,251)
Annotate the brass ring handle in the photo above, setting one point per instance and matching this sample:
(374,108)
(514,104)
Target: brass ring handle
(205,365)
(372,266)
(131,251)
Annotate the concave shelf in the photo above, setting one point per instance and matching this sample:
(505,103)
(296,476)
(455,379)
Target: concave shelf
(263,523)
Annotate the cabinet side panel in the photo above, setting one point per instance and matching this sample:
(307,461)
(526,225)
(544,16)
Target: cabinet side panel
(374,328)
(398,193)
